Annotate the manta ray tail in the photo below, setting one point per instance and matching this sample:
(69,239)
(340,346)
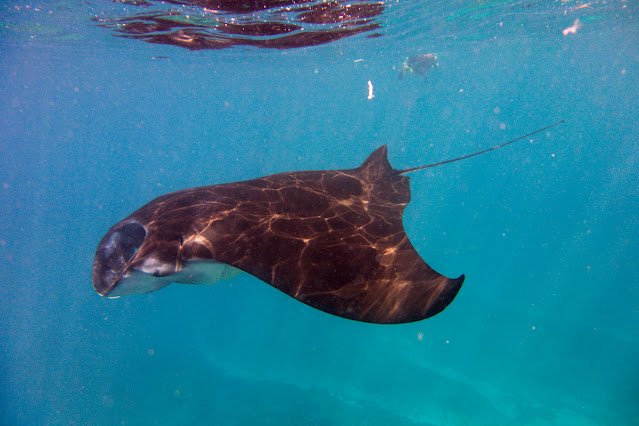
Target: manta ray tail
(483,151)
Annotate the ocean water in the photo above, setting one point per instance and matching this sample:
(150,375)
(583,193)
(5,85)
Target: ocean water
(545,330)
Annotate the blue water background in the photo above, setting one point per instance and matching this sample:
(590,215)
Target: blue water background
(545,330)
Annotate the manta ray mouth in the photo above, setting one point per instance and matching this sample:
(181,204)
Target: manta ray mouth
(113,254)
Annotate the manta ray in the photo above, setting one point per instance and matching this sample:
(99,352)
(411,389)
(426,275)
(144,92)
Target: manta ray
(332,239)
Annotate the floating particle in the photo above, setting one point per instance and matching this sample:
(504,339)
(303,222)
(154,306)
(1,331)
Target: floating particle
(418,64)
(581,6)
(370,90)
(420,336)
(573,28)
(107,401)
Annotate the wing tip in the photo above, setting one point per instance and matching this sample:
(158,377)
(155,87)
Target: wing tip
(453,285)
(436,306)
(453,288)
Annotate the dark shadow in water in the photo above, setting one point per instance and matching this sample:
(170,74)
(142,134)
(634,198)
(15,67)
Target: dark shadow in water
(212,397)
(219,24)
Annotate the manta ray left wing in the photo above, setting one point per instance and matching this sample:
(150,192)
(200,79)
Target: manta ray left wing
(332,239)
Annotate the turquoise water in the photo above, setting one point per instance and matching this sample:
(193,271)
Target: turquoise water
(545,330)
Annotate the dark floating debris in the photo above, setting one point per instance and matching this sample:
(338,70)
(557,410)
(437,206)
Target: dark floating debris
(418,64)
(219,24)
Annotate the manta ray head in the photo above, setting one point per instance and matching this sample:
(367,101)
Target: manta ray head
(131,259)
(113,274)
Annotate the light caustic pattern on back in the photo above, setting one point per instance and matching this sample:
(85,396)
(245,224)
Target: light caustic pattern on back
(332,239)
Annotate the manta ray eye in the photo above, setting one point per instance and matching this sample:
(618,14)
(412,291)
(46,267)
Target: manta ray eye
(121,244)
(114,252)
(130,238)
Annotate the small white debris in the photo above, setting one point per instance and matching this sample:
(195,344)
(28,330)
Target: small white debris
(370,90)
(533,328)
(576,26)
(420,336)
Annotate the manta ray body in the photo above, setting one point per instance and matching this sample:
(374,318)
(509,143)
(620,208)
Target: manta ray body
(332,239)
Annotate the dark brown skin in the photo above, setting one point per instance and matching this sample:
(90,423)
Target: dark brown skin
(332,239)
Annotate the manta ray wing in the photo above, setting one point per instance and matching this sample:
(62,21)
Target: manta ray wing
(332,239)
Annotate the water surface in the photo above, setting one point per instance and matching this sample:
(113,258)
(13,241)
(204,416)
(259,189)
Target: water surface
(546,328)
